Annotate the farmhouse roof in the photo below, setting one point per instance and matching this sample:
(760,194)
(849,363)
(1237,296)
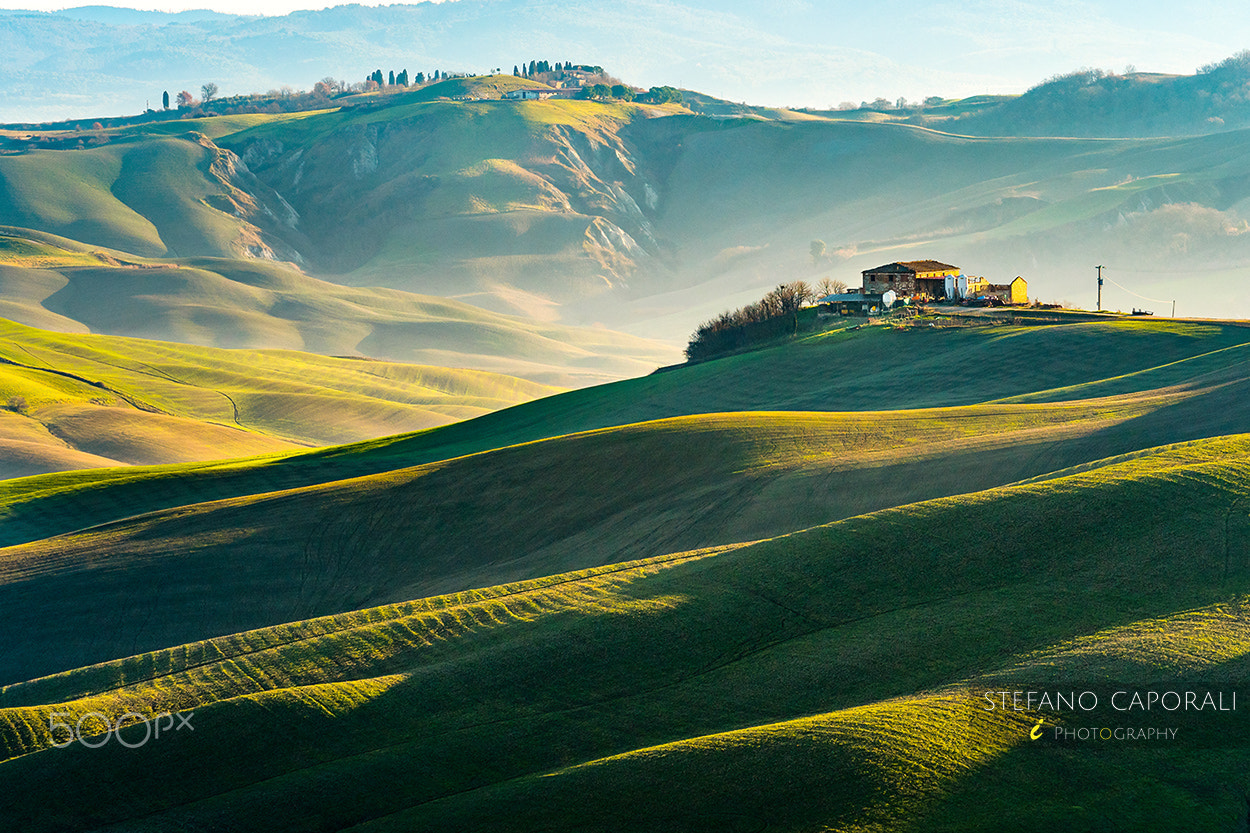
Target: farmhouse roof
(915,266)
(927,265)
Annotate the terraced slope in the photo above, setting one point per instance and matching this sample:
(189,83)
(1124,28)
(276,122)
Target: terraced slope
(838,670)
(78,401)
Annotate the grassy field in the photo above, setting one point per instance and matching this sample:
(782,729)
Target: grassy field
(619,472)
(78,401)
(838,669)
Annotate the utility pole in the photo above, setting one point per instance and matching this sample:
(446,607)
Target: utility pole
(1173,307)
(1100,289)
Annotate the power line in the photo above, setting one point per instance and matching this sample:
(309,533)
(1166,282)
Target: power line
(1137,295)
(1205,271)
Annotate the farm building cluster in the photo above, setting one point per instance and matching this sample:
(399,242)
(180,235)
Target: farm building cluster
(923,281)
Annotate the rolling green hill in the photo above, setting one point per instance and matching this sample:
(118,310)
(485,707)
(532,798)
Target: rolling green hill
(80,401)
(1012,363)
(388,520)
(839,670)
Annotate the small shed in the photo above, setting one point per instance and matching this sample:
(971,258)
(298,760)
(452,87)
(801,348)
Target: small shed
(858,303)
(1016,292)
(965,286)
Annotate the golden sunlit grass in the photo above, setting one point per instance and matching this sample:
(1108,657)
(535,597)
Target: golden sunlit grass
(133,401)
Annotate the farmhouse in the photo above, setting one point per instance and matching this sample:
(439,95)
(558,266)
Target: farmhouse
(925,280)
(912,278)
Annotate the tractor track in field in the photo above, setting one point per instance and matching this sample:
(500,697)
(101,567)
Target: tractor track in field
(132,400)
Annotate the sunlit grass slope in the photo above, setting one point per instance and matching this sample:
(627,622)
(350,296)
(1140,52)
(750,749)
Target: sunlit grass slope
(528,510)
(131,401)
(838,371)
(837,671)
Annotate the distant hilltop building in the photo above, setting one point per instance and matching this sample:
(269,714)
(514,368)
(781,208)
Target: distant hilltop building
(932,280)
(528,94)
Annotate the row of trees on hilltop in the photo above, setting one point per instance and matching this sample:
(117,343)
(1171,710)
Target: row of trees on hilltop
(186,100)
(596,83)
(776,314)
(376,80)
(533,68)
(561,71)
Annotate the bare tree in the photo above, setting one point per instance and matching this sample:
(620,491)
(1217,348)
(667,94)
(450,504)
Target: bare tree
(208,92)
(829,286)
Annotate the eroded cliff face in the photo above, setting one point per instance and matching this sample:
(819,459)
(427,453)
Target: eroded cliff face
(462,200)
(270,226)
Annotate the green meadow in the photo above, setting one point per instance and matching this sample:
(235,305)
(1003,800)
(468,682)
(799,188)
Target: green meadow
(613,607)
(838,669)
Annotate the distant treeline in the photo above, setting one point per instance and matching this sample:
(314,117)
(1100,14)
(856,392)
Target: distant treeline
(776,314)
(184,105)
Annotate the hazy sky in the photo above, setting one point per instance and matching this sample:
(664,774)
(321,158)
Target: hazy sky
(798,53)
(1159,35)
(267,7)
